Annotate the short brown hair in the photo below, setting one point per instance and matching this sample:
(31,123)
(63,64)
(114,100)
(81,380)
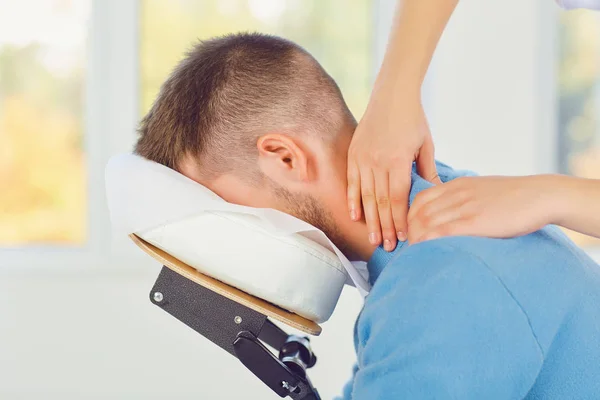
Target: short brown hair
(227,91)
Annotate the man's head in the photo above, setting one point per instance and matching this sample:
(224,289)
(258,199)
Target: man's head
(256,119)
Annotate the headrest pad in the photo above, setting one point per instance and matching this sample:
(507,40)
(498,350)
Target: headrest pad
(263,252)
(289,271)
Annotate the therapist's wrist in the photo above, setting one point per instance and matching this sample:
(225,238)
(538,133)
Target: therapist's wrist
(394,97)
(554,198)
(398,84)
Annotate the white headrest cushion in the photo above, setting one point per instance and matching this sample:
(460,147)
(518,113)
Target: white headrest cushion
(289,271)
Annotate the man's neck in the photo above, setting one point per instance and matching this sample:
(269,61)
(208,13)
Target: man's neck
(357,238)
(375,256)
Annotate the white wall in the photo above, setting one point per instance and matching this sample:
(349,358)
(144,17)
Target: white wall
(491,102)
(94,335)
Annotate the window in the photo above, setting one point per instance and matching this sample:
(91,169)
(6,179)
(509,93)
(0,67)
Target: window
(76,76)
(42,162)
(579,98)
(336,32)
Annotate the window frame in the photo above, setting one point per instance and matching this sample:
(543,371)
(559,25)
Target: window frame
(110,118)
(547,155)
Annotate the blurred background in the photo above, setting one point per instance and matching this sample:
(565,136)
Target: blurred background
(513,89)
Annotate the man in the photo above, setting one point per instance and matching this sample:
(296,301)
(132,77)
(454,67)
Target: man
(256,119)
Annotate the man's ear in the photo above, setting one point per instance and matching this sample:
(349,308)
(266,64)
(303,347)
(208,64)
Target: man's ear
(282,158)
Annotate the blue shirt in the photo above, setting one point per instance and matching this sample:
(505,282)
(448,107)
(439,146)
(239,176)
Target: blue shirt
(479,318)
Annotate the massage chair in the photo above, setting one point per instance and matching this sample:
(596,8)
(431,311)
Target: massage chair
(279,270)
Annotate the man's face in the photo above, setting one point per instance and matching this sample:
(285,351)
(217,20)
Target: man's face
(318,198)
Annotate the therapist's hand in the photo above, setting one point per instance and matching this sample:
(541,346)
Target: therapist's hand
(499,207)
(392,134)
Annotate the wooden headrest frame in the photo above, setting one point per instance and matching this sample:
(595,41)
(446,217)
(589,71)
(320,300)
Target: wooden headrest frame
(254,303)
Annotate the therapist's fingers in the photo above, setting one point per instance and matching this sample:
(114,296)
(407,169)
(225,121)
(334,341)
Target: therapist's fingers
(369,202)
(354,192)
(458,227)
(400,181)
(384,208)
(429,197)
(430,223)
(426,167)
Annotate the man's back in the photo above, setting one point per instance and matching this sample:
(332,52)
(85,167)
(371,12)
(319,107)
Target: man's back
(558,288)
(480,318)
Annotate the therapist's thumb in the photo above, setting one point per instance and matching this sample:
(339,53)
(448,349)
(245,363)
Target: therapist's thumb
(426,167)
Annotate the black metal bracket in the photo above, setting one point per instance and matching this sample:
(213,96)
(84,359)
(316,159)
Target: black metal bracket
(240,331)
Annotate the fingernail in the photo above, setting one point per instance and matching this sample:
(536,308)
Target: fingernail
(353,214)
(401,236)
(387,245)
(373,238)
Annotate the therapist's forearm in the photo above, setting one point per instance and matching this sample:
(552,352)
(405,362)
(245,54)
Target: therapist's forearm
(574,203)
(417,29)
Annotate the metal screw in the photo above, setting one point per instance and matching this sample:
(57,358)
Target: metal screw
(158,297)
(285,385)
(237,320)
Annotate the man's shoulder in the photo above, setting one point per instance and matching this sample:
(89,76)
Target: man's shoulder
(545,256)
(454,269)
(446,267)
(435,255)
(444,292)
(543,276)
